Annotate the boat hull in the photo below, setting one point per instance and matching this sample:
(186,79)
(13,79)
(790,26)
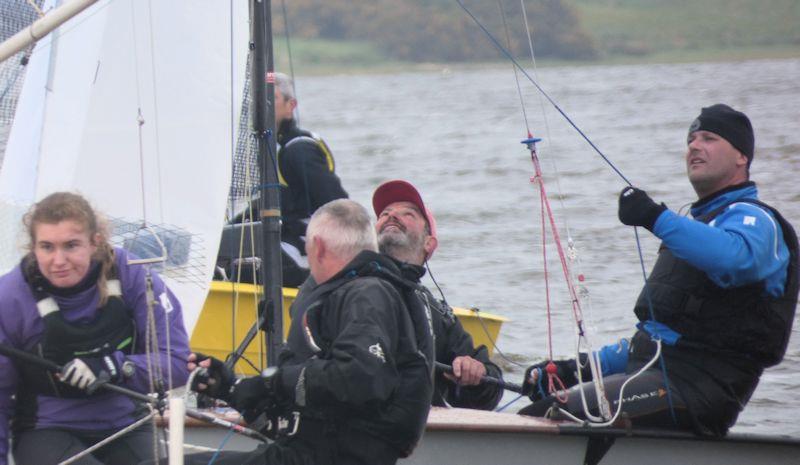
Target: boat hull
(466,437)
(230,311)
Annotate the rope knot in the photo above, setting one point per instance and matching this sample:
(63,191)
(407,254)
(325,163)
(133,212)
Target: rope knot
(554,384)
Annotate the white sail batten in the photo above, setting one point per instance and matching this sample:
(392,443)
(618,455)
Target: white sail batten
(171,63)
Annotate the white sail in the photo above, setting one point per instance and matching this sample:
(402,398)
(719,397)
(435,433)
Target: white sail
(170,66)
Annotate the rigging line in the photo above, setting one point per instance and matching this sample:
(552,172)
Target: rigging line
(508,55)
(256,269)
(244,143)
(516,74)
(159,199)
(12,80)
(570,243)
(252,264)
(240,253)
(557,240)
(546,125)
(249,362)
(508,404)
(572,252)
(107,440)
(477,313)
(291,61)
(493,343)
(232,117)
(552,378)
(582,336)
(546,273)
(225,440)
(155,109)
(233,121)
(658,339)
(155,373)
(576,306)
(613,419)
(33,5)
(150,333)
(139,118)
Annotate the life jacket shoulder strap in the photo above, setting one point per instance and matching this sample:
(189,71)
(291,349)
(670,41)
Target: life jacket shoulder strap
(310,138)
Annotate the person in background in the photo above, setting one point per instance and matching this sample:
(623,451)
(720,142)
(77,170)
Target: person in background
(76,301)
(353,385)
(720,298)
(306,171)
(407,233)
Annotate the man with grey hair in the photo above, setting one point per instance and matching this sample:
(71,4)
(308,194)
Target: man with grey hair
(307,177)
(354,381)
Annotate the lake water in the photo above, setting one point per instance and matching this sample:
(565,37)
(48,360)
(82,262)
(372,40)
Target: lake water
(456,135)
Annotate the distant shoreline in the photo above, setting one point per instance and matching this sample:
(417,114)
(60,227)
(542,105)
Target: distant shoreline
(321,68)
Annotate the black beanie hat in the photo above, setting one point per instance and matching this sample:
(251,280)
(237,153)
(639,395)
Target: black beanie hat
(731,125)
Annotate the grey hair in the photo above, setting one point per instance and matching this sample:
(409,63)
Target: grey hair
(284,84)
(345,226)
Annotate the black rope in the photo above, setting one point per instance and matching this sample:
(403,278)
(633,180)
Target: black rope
(517,66)
(477,311)
(514,68)
(505,52)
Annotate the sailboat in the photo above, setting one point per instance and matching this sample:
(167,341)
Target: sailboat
(45,162)
(114,106)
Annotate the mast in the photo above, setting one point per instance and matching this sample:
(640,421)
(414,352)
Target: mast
(262,71)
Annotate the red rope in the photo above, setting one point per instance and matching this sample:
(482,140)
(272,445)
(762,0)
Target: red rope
(546,273)
(554,384)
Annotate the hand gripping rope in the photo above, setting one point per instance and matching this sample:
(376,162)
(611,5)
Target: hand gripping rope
(530,142)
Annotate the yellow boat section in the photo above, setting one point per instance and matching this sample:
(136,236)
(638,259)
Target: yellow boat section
(230,311)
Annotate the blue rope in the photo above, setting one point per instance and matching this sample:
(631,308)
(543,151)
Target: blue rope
(500,409)
(508,55)
(265,186)
(11,81)
(653,317)
(533,81)
(539,380)
(221,446)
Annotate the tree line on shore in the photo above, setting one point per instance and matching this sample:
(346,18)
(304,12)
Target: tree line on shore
(440,31)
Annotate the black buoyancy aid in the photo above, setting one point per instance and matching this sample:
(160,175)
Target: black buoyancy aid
(113,329)
(306,137)
(743,322)
(402,422)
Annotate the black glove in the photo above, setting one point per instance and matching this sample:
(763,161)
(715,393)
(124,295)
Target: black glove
(636,208)
(566,370)
(255,396)
(90,372)
(218,378)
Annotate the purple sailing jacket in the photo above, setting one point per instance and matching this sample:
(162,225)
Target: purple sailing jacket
(21,327)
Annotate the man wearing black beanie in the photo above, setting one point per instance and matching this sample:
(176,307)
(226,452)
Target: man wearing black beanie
(721,298)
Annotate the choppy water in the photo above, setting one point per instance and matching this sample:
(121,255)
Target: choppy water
(455,134)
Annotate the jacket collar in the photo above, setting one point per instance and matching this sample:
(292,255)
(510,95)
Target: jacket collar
(745,190)
(287,131)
